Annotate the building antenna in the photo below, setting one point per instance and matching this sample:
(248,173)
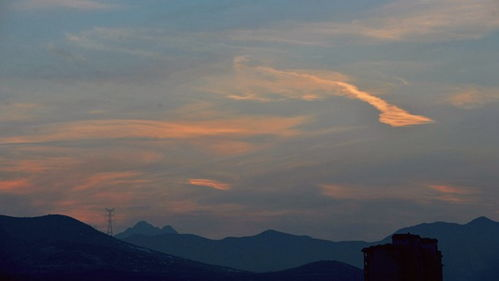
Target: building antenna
(110,213)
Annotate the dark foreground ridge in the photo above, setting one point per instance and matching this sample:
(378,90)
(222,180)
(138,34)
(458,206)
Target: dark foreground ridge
(60,248)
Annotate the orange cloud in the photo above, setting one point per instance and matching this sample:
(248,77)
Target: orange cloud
(451,194)
(339,192)
(150,129)
(37,166)
(111,179)
(263,83)
(466,100)
(350,192)
(227,147)
(14,186)
(474,97)
(210,183)
(411,192)
(448,189)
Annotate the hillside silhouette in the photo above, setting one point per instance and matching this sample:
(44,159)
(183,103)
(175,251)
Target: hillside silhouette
(60,248)
(471,251)
(268,251)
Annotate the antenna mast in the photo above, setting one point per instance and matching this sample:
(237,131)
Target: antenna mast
(110,213)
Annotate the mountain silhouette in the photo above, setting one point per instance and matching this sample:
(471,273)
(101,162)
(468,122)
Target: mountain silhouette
(60,248)
(268,251)
(317,271)
(145,228)
(57,247)
(470,251)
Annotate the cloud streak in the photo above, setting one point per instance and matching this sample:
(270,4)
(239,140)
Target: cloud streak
(403,20)
(157,130)
(14,186)
(452,194)
(264,84)
(366,193)
(73,4)
(111,179)
(210,183)
(18,111)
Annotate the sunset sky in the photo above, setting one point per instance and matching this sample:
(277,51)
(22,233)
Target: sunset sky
(335,119)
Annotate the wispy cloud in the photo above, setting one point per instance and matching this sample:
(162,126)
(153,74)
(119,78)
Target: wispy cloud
(36,166)
(433,20)
(340,192)
(451,193)
(448,189)
(151,129)
(473,97)
(74,4)
(100,180)
(403,20)
(210,183)
(263,83)
(17,186)
(366,193)
(18,111)
(411,192)
(115,40)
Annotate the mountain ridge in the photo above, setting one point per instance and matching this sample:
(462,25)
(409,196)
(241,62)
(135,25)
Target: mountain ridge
(60,248)
(273,250)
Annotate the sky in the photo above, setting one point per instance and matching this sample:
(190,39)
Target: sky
(342,120)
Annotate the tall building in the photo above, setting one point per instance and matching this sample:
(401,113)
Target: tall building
(408,258)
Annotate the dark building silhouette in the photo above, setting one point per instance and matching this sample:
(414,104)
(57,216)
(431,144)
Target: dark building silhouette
(408,258)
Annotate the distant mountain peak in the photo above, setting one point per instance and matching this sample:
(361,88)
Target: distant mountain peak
(482,220)
(168,229)
(271,232)
(143,224)
(278,234)
(145,228)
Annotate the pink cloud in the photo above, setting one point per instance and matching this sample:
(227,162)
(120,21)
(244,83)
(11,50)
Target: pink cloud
(452,194)
(151,129)
(210,183)
(449,189)
(100,180)
(17,186)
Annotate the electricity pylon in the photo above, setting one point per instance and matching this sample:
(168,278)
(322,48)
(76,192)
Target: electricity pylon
(110,213)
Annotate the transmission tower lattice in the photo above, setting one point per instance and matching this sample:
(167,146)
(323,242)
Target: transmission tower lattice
(110,213)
